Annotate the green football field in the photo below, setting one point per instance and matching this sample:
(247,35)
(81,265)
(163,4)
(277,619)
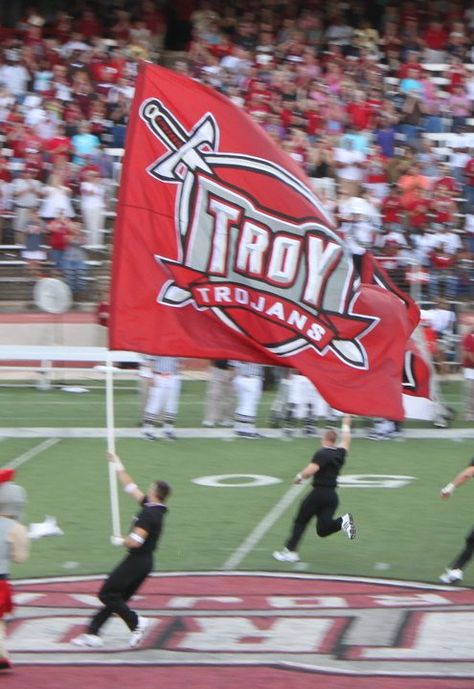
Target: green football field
(404,529)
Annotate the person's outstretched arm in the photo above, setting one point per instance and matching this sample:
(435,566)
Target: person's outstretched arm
(461,478)
(126,481)
(346,436)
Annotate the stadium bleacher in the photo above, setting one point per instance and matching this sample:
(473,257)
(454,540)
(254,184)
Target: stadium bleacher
(297,54)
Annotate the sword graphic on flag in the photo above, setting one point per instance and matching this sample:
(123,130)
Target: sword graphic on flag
(184,146)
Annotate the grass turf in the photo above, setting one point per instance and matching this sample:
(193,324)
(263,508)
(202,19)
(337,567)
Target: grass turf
(405,532)
(27,407)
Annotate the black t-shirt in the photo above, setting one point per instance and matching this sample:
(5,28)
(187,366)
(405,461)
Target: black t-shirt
(151,520)
(330,461)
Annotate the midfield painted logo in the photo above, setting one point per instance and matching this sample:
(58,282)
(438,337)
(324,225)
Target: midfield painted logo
(253,265)
(293,621)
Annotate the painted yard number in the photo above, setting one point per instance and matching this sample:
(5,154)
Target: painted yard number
(374,481)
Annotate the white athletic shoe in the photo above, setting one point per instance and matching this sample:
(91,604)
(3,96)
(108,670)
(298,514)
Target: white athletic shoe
(348,526)
(136,637)
(89,640)
(286,555)
(148,432)
(451,576)
(208,424)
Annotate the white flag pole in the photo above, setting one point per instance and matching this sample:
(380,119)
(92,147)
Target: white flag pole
(109,412)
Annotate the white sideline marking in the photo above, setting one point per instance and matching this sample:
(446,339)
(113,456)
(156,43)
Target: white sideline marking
(217,433)
(32,452)
(261,529)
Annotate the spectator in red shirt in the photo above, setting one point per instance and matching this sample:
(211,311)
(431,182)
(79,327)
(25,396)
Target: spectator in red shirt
(5,174)
(417,210)
(59,145)
(392,209)
(443,275)
(313,120)
(23,141)
(435,40)
(105,71)
(59,230)
(456,74)
(103,308)
(88,24)
(445,180)
(467,351)
(359,112)
(443,208)
(412,63)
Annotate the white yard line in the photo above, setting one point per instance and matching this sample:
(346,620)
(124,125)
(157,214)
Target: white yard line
(261,529)
(32,452)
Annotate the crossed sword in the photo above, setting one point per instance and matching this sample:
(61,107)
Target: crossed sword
(184,147)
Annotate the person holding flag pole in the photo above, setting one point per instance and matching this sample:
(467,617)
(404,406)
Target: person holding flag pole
(123,582)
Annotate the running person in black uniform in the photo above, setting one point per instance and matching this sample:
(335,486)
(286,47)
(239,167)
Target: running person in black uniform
(322,502)
(454,573)
(131,572)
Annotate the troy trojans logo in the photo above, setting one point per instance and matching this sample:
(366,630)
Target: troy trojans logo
(251,246)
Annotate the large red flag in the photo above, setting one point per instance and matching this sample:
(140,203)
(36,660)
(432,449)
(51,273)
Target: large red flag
(222,250)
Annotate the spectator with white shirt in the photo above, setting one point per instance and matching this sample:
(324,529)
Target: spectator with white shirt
(449,240)
(14,75)
(442,320)
(27,192)
(458,160)
(56,198)
(443,265)
(361,226)
(349,164)
(93,206)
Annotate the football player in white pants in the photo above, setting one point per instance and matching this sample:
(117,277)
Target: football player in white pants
(163,398)
(220,394)
(248,386)
(279,405)
(304,404)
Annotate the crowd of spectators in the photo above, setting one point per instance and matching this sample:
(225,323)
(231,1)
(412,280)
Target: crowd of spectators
(350,90)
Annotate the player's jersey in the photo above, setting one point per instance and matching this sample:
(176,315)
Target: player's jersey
(165,364)
(244,368)
(330,461)
(151,520)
